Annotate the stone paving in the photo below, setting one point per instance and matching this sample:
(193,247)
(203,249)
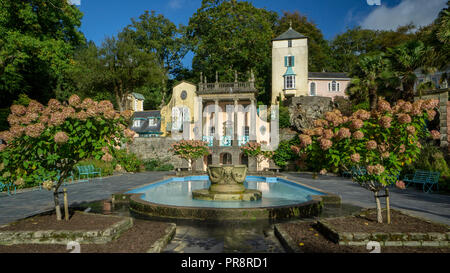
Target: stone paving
(28,203)
(435,207)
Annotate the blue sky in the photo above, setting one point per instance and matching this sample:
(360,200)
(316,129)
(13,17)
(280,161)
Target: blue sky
(107,17)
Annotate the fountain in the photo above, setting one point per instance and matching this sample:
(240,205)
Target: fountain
(227,184)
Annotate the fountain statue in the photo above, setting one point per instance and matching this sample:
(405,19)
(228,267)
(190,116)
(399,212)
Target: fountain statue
(227,184)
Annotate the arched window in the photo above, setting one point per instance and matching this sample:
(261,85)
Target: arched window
(244,159)
(312,90)
(226,158)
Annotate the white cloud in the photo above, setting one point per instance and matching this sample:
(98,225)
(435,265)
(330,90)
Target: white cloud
(176,4)
(418,12)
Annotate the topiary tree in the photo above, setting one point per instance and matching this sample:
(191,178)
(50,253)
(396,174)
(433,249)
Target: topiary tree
(190,150)
(254,150)
(381,141)
(45,143)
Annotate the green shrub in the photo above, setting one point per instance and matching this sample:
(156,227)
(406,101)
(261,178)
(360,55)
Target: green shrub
(157,165)
(129,161)
(284,153)
(284,118)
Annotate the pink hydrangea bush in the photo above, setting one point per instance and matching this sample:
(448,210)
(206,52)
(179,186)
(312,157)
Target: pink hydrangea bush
(255,150)
(382,141)
(44,140)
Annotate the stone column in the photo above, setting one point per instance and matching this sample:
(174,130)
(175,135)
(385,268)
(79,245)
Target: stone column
(216,123)
(252,134)
(235,124)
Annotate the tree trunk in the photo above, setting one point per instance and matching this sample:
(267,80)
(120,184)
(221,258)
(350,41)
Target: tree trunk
(118,100)
(379,216)
(388,208)
(373,98)
(57,206)
(408,89)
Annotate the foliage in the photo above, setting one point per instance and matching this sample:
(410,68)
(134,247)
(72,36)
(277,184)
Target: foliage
(190,149)
(284,117)
(44,140)
(36,47)
(129,161)
(284,153)
(255,150)
(228,36)
(319,53)
(4,113)
(157,165)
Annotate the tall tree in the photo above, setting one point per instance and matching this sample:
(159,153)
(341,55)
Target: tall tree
(158,35)
(405,59)
(368,74)
(228,36)
(319,58)
(348,46)
(437,36)
(37,39)
(115,70)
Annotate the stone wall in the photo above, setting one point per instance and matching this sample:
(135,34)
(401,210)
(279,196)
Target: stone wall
(155,148)
(304,110)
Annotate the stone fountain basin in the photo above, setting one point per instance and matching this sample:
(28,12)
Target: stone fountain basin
(140,203)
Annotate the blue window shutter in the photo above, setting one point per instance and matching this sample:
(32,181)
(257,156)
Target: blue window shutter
(285,61)
(293,61)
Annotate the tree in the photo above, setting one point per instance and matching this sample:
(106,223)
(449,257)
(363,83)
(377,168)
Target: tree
(405,59)
(437,36)
(348,46)
(190,150)
(382,142)
(47,142)
(367,75)
(37,39)
(115,70)
(157,35)
(228,36)
(254,150)
(319,54)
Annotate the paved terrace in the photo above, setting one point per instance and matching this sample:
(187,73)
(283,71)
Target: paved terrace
(435,207)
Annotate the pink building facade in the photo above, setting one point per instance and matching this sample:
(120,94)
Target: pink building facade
(327,84)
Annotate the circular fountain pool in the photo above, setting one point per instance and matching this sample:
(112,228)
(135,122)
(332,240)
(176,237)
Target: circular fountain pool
(172,197)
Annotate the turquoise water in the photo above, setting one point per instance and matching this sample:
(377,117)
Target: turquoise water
(178,192)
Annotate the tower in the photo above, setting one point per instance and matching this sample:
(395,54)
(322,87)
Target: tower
(289,65)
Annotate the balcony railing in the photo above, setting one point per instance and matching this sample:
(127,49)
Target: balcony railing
(226,87)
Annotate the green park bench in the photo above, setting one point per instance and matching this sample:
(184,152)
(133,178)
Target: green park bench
(88,170)
(7,187)
(355,171)
(426,178)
